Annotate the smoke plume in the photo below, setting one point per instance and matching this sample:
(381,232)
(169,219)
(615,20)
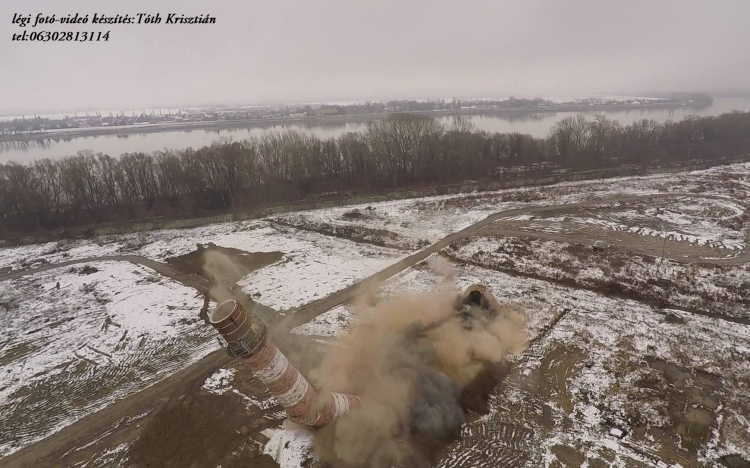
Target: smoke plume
(410,359)
(223,273)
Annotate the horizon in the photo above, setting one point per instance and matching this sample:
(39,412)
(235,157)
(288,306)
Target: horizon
(289,52)
(231,105)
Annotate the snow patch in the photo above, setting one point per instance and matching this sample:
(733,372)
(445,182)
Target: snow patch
(219,382)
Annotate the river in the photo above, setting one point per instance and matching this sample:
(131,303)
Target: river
(533,123)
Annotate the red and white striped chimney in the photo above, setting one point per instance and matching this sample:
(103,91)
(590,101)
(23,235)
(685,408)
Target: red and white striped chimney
(246,338)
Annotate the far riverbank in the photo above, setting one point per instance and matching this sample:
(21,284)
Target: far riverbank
(320,120)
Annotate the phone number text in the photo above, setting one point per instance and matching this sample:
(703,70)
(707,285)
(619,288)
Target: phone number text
(62,36)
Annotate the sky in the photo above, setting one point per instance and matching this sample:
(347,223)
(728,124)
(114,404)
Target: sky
(281,51)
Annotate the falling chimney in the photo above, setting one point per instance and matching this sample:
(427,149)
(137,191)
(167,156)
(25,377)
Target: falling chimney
(246,338)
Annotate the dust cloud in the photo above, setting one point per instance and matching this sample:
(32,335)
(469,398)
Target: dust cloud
(412,359)
(223,273)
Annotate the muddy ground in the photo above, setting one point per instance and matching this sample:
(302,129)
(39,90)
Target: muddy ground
(541,405)
(633,242)
(247,262)
(639,226)
(177,423)
(347,228)
(198,429)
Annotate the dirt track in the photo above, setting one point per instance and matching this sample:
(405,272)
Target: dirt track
(49,450)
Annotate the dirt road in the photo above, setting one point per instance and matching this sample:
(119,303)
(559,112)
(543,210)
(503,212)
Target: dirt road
(85,430)
(192,281)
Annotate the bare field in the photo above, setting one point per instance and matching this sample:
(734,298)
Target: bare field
(77,340)
(624,370)
(682,227)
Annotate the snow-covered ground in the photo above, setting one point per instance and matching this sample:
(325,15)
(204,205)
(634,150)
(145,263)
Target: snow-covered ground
(711,222)
(719,290)
(75,341)
(106,334)
(290,448)
(333,323)
(219,382)
(621,340)
(429,218)
(313,267)
(530,301)
(618,335)
(413,222)
(696,216)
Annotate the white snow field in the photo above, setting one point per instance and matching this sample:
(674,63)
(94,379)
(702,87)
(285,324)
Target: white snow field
(69,350)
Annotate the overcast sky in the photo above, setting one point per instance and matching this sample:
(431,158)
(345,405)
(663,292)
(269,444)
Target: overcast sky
(276,51)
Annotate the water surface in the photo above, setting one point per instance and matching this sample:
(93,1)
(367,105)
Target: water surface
(536,124)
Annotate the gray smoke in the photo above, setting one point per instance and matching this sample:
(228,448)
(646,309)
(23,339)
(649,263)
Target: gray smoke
(411,360)
(436,411)
(435,407)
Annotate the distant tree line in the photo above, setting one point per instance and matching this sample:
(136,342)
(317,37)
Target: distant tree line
(457,104)
(34,124)
(698,98)
(401,151)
